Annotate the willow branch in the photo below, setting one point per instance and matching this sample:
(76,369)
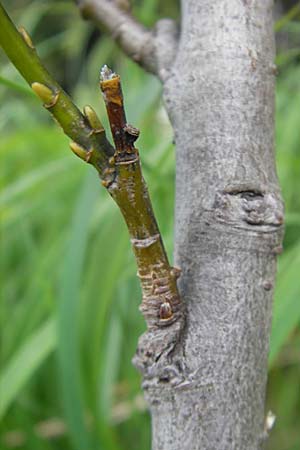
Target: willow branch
(153,49)
(86,130)
(121,173)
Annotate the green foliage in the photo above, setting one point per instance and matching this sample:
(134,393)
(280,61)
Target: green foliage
(25,361)
(69,312)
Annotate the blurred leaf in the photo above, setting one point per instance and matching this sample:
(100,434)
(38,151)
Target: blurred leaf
(287,56)
(286,313)
(111,367)
(32,178)
(68,317)
(25,362)
(292,218)
(16,86)
(290,15)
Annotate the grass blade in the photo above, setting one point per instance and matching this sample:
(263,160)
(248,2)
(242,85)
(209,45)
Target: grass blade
(25,362)
(68,316)
(287,300)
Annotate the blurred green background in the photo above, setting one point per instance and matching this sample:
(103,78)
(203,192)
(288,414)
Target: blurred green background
(69,311)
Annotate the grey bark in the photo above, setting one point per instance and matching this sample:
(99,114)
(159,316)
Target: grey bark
(206,388)
(220,97)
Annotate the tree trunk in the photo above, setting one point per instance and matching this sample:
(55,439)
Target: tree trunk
(220,98)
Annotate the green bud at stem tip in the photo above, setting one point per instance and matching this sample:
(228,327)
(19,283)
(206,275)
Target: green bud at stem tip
(46,95)
(93,119)
(78,150)
(26,37)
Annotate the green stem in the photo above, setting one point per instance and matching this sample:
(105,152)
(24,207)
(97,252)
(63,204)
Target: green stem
(91,143)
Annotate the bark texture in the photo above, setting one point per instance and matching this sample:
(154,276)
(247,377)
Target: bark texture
(229,216)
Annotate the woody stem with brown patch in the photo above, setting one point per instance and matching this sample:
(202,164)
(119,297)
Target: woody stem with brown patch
(161,304)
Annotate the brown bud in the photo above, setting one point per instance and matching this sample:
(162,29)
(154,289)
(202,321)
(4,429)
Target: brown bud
(132,133)
(165,311)
(267,285)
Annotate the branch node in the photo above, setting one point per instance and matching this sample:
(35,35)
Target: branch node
(144,243)
(127,162)
(132,133)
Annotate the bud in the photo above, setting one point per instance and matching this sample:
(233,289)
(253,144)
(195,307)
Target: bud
(93,119)
(45,94)
(78,150)
(26,37)
(165,311)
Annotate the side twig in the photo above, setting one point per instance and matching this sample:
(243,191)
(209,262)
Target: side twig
(154,49)
(85,130)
